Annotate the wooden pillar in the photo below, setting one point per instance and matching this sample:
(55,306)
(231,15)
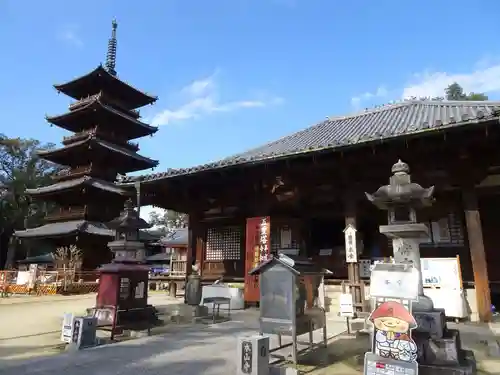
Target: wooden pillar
(477,253)
(353,268)
(194,236)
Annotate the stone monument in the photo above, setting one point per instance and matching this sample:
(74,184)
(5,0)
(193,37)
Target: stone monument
(438,348)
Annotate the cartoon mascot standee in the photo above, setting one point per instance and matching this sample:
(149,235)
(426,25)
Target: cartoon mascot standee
(393,324)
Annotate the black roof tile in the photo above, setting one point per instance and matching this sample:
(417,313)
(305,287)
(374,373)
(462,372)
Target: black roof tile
(390,121)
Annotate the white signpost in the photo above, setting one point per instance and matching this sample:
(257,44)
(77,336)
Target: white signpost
(351,251)
(67,328)
(346,305)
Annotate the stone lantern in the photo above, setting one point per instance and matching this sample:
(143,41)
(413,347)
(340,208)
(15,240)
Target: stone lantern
(126,245)
(123,283)
(401,198)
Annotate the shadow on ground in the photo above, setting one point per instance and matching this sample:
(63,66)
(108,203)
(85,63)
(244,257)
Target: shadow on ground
(344,355)
(210,349)
(201,348)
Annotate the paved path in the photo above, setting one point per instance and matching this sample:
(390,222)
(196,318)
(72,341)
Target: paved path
(198,350)
(33,324)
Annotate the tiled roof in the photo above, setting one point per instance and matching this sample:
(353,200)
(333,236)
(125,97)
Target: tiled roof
(66,228)
(86,180)
(148,163)
(98,78)
(178,238)
(383,123)
(94,106)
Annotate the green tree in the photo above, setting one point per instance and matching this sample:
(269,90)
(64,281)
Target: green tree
(170,219)
(20,169)
(456,92)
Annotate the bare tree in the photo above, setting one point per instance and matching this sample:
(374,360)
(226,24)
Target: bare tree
(68,258)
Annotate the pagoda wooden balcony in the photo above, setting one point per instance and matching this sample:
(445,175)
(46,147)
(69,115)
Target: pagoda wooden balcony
(67,213)
(87,212)
(88,170)
(71,173)
(80,136)
(82,102)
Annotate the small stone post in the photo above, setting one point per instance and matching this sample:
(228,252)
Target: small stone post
(253,355)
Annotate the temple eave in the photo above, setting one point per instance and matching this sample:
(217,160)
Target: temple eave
(96,106)
(63,229)
(83,86)
(71,185)
(77,150)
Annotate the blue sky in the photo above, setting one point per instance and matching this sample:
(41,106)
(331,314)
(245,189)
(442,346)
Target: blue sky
(234,74)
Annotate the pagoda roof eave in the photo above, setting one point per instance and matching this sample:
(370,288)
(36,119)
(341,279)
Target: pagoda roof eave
(52,155)
(96,104)
(80,87)
(67,228)
(86,181)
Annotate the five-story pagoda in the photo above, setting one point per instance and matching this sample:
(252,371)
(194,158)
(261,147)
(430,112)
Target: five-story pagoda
(104,120)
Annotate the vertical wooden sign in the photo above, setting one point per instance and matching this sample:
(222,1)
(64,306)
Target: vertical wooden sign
(257,249)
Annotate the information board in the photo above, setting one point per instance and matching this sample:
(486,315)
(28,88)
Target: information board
(392,280)
(441,272)
(67,328)
(346,305)
(377,365)
(436,272)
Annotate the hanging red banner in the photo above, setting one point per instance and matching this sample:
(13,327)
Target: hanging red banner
(257,249)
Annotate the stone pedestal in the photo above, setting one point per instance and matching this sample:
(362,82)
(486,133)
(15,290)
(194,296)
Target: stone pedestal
(406,239)
(439,348)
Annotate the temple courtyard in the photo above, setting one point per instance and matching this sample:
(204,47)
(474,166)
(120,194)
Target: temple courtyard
(31,326)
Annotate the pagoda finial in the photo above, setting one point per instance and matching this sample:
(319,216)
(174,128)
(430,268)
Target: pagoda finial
(111,55)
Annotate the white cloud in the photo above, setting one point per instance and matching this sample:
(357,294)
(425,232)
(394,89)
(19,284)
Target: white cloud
(486,78)
(70,36)
(201,98)
(379,93)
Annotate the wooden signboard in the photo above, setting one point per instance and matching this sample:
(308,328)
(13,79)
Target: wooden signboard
(257,249)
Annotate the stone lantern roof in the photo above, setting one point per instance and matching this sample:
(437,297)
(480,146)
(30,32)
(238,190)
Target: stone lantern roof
(129,220)
(401,191)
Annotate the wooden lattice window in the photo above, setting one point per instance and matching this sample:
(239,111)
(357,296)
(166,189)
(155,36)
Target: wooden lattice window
(447,231)
(224,243)
(444,231)
(277,238)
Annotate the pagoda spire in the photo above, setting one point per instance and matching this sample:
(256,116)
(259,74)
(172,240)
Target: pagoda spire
(111,55)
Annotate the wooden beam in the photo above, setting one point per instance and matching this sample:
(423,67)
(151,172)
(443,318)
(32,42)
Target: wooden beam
(477,253)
